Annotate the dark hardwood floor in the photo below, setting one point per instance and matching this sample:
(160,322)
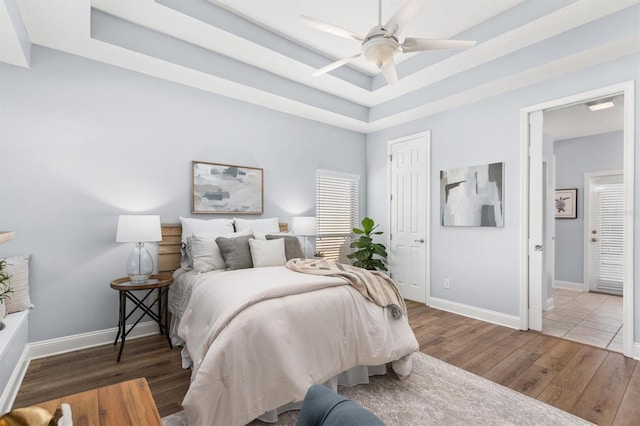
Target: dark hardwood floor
(595,384)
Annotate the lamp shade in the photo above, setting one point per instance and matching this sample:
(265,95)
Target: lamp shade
(138,228)
(304,225)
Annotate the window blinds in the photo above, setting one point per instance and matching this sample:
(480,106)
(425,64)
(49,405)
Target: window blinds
(336,212)
(610,205)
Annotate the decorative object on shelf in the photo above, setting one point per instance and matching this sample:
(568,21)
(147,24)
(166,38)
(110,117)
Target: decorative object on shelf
(472,196)
(225,188)
(5,290)
(366,249)
(5,286)
(566,202)
(305,226)
(139,229)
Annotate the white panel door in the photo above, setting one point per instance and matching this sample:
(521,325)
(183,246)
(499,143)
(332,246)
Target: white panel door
(536,214)
(408,239)
(604,239)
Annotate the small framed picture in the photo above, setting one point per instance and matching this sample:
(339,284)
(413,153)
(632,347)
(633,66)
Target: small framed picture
(566,203)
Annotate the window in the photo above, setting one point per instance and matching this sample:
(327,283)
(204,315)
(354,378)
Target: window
(336,212)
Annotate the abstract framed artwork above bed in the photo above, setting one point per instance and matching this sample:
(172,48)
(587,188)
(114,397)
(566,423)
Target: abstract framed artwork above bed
(226,188)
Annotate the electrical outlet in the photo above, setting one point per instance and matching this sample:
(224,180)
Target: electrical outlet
(447,284)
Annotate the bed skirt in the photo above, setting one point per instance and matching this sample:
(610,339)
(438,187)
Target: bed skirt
(355,376)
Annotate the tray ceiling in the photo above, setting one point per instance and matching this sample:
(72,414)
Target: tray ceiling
(257,51)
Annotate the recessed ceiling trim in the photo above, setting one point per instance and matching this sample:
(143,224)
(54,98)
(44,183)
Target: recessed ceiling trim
(107,53)
(562,20)
(183,27)
(65,26)
(16,47)
(608,52)
(163,19)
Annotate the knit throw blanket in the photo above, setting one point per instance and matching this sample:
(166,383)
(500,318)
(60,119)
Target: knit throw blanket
(373,285)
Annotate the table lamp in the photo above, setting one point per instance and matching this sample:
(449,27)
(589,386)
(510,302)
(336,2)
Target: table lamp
(139,229)
(305,226)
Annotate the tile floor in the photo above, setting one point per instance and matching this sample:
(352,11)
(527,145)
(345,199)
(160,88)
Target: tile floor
(591,318)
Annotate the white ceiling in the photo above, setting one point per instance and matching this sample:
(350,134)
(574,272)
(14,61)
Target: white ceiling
(503,29)
(578,120)
(434,20)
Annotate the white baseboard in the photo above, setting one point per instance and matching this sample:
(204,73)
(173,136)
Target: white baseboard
(11,390)
(86,340)
(494,317)
(636,351)
(568,285)
(61,345)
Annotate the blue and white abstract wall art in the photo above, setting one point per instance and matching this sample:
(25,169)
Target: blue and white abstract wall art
(472,196)
(224,188)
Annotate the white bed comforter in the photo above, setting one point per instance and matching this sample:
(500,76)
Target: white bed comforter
(258,338)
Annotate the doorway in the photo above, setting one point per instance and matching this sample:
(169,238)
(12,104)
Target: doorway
(531,302)
(409,192)
(604,232)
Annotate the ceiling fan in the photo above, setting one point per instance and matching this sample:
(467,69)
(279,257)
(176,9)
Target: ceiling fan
(382,42)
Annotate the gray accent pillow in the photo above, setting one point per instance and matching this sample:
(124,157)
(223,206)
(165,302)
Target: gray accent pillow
(236,251)
(292,247)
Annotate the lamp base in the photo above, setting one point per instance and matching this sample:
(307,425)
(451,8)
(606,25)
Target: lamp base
(139,265)
(139,278)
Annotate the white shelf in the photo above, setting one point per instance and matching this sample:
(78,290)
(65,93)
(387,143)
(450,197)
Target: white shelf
(6,236)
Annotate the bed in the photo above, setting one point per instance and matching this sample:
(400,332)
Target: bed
(257,338)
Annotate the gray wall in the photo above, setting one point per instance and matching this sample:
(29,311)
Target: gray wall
(83,142)
(483,263)
(574,158)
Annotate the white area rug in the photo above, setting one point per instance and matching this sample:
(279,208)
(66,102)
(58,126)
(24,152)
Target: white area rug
(437,393)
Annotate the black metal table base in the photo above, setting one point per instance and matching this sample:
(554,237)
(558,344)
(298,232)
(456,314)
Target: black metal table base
(161,317)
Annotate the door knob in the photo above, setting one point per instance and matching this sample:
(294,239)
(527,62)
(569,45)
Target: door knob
(593,231)
(593,240)
(421,240)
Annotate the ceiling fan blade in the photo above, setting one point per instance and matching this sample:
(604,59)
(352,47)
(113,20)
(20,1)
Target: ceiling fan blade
(420,44)
(332,66)
(403,17)
(389,72)
(329,28)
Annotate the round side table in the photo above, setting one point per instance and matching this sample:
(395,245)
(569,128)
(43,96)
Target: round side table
(126,288)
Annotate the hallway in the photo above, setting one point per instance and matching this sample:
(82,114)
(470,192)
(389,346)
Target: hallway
(591,318)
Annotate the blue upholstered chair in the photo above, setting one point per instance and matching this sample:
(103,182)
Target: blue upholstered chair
(322,406)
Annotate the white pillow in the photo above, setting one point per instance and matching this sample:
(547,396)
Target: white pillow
(204,226)
(261,226)
(205,254)
(267,252)
(18,270)
(204,251)
(191,226)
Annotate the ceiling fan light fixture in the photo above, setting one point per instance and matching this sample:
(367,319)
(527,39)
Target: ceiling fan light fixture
(380,50)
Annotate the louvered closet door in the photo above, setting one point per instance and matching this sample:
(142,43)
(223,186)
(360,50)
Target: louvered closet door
(606,235)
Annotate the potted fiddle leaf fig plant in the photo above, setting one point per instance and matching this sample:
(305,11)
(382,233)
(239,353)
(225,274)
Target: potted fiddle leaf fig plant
(366,249)
(5,290)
